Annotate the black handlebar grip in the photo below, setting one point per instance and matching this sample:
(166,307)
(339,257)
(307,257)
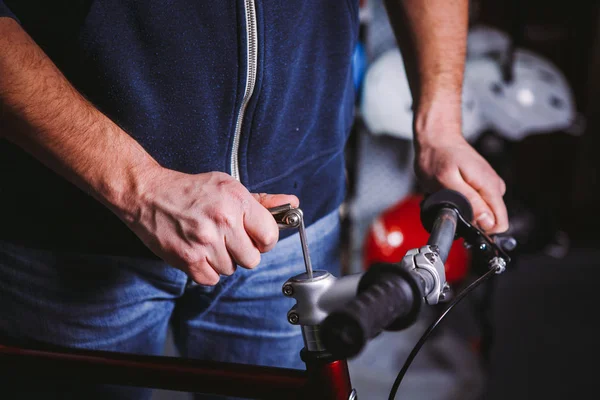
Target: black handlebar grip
(388,299)
(432,204)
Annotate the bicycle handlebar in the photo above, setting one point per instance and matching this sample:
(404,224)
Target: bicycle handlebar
(443,232)
(390,296)
(439,216)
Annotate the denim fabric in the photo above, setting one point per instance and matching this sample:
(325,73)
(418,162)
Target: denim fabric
(126,304)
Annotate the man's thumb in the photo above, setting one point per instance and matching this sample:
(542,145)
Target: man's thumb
(274,200)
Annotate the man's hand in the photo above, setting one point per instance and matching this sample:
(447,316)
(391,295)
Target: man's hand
(452,163)
(203,224)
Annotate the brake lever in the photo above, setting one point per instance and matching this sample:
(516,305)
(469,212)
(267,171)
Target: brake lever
(494,249)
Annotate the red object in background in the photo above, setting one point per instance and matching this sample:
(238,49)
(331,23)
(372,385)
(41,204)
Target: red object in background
(399,229)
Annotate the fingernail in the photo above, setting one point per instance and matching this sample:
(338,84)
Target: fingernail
(485,222)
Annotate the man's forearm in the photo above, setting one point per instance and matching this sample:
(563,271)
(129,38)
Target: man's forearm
(432,36)
(42,113)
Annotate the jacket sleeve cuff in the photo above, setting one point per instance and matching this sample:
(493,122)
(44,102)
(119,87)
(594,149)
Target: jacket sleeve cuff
(5,12)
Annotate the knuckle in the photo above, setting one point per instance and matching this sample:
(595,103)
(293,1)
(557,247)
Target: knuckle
(254,261)
(228,271)
(227,184)
(205,236)
(270,237)
(477,205)
(211,279)
(502,186)
(226,264)
(204,275)
(492,187)
(221,175)
(234,198)
(446,176)
(223,218)
(190,257)
(230,190)
(220,178)
(224,182)
(240,194)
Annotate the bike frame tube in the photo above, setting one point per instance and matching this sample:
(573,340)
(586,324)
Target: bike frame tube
(329,380)
(321,380)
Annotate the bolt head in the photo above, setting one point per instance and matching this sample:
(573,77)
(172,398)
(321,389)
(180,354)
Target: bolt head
(288,290)
(293,219)
(499,264)
(293,318)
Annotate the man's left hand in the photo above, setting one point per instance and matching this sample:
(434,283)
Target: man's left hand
(451,162)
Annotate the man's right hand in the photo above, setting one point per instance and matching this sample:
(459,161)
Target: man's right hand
(203,224)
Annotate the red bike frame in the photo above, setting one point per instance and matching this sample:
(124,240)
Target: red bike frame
(324,378)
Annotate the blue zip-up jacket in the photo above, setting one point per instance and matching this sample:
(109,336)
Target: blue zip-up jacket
(176,75)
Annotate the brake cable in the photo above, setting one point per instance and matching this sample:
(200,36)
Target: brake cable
(430,329)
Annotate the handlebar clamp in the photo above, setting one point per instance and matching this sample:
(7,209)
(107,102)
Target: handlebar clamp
(427,266)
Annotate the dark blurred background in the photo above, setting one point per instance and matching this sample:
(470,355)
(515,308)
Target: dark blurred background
(555,168)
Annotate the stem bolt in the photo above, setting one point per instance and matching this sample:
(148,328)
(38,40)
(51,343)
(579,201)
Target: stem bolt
(288,290)
(293,318)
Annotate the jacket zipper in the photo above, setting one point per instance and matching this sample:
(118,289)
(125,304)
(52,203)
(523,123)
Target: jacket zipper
(251,53)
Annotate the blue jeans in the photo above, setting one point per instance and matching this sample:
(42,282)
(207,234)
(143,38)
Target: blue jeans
(126,305)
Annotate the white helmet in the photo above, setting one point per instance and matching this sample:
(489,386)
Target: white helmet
(386,102)
(485,41)
(537,100)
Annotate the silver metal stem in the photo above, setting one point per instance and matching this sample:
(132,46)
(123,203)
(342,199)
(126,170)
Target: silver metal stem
(312,339)
(316,298)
